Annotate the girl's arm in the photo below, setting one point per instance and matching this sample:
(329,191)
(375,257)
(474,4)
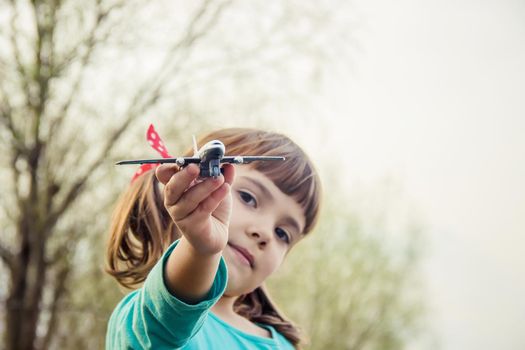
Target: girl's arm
(153,318)
(201,212)
(188,274)
(191,276)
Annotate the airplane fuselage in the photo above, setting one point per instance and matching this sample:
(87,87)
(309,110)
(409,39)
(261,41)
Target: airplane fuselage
(211,155)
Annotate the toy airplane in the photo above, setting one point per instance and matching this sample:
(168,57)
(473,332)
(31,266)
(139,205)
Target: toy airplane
(209,158)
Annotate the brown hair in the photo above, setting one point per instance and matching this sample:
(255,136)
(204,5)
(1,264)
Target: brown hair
(141,228)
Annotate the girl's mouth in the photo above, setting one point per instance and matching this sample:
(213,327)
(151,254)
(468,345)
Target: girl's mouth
(243,254)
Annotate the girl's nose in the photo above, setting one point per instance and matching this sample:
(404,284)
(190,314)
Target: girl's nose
(261,236)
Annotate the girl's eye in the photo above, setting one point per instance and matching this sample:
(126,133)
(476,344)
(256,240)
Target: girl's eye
(282,235)
(248,199)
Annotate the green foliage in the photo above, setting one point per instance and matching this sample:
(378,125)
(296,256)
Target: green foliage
(91,295)
(348,288)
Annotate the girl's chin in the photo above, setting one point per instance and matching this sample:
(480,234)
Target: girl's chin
(234,287)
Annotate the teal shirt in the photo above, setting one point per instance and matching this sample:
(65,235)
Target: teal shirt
(152,318)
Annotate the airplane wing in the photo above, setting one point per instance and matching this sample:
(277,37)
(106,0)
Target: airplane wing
(179,161)
(248,159)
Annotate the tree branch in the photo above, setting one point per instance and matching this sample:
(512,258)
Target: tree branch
(6,118)
(183,47)
(18,150)
(7,257)
(365,335)
(16,53)
(79,185)
(87,47)
(3,69)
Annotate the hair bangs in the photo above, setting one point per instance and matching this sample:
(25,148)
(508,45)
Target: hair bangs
(295,177)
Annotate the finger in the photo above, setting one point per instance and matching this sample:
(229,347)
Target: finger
(164,172)
(229,173)
(179,183)
(193,197)
(210,204)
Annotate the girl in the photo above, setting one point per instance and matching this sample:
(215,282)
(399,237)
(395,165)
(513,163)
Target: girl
(204,248)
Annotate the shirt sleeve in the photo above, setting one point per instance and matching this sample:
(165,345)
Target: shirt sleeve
(155,318)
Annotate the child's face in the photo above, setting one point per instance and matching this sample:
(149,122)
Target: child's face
(265,223)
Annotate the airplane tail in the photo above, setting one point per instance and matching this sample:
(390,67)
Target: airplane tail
(195,149)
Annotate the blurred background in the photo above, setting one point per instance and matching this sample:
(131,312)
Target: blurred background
(412,110)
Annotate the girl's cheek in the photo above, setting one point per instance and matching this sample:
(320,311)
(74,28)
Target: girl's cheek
(274,263)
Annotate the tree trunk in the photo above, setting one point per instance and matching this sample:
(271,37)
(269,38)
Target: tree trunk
(17,335)
(27,280)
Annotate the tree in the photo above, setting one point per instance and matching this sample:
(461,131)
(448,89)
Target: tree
(65,65)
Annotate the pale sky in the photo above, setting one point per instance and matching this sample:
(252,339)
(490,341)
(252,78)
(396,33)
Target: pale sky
(437,100)
(434,98)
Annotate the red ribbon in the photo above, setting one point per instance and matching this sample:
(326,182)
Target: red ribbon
(156,143)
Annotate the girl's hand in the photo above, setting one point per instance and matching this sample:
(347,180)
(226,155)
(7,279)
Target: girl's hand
(201,210)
